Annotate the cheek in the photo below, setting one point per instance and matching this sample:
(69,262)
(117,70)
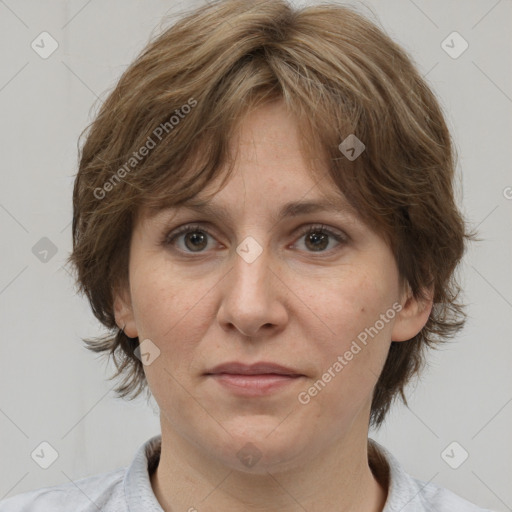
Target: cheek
(163,301)
(173,313)
(357,309)
(355,301)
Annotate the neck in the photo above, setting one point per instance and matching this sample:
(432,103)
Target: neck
(338,479)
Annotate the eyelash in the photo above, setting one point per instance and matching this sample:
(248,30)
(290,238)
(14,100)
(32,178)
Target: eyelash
(170,238)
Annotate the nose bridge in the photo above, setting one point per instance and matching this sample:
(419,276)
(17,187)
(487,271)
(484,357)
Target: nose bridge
(249,299)
(251,266)
(252,252)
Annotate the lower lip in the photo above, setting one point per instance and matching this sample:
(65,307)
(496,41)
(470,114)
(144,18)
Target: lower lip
(254,385)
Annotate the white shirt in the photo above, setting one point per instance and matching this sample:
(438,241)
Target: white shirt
(128,489)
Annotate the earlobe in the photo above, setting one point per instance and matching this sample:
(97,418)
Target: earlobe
(413,316)
(124,315)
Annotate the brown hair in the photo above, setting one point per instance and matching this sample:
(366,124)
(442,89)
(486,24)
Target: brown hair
(339,74)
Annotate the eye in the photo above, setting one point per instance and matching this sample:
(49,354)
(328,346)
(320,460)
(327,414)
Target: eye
(317,238)
(195,238)
(196,242)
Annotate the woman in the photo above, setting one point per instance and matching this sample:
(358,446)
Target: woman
(264,218)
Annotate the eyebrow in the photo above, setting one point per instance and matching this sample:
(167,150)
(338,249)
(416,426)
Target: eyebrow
(291,209)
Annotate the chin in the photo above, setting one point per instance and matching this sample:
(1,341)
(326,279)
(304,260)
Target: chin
(259,445)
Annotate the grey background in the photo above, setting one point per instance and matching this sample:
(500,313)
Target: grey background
(52,389)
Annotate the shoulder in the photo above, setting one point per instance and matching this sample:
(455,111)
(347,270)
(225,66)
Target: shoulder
(99,492)
(121,490)
(433,497)
(408,494)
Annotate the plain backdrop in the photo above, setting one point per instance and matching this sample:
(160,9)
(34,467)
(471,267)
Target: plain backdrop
(52,389)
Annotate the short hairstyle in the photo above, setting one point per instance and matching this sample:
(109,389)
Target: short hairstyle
(163,134)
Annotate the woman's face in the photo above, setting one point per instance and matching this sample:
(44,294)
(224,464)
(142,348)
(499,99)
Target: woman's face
(247,285)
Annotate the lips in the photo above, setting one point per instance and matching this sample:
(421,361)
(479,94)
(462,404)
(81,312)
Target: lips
(261,368)
(253,380)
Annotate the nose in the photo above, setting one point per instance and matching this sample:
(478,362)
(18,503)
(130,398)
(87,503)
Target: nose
(253,297)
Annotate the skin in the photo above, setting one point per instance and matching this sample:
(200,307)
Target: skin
(203,305)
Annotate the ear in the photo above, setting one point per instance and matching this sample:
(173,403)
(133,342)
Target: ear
(413,315)
(123,312)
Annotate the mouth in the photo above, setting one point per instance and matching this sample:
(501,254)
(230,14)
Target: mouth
(253,380)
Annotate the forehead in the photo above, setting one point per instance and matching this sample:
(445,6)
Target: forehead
(227,212)
(319,203)
(267,158)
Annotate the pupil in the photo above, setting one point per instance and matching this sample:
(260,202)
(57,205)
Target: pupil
(196,237)
(318,238)
(198,240)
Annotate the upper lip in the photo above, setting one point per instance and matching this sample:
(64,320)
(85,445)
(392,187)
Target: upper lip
(237,368)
